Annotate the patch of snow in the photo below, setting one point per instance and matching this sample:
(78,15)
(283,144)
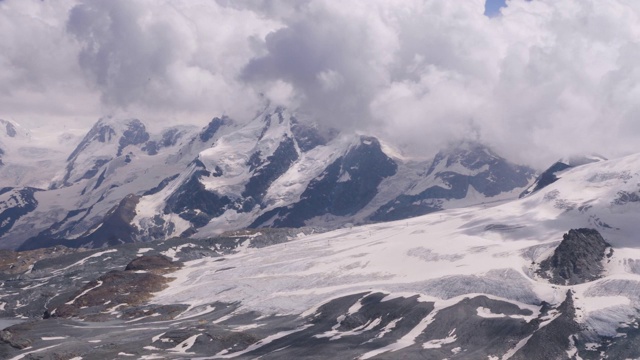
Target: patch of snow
(184,346)
(437,343)
(225,355)
(83,293)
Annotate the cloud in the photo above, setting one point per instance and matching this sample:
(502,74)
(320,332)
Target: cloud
(544,79)
(176,57)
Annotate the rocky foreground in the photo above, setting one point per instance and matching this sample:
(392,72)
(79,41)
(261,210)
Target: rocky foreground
(95,305)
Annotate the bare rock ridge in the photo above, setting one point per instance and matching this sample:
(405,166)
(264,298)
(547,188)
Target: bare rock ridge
(117,288)
(578,259)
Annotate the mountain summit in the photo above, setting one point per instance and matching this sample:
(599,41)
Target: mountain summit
(124,184)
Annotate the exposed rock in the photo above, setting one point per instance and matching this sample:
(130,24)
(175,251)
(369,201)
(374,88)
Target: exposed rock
(12,262)
(547,178)
(471,166)
(194,203)
(212,128)
(118,289)
(578,258)
(555,338)
(345,187)
(550,175)
(135,134)
(14,336)
(154,263)
(267,170)
(114,229)
(14,204)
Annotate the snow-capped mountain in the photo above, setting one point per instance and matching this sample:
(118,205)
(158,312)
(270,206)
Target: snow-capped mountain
(467,174)
(27,160)
(124,184)
(553,275)
(552,174)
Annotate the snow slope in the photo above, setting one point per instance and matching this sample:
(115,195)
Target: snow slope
(447,257)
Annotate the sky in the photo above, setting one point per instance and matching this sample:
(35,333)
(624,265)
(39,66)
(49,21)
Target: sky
(492,7)
(536,80)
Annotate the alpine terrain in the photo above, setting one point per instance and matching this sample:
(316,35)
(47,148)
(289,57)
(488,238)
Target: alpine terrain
(277,239)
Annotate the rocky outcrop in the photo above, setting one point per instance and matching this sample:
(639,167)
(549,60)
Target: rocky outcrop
(14,337)
(345,187)
(153,263)
(118,289)
(554,338)
(12,262)
(578,259)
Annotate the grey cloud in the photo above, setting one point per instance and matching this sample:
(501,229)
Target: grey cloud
(544,79)
(333,62)
(123,57)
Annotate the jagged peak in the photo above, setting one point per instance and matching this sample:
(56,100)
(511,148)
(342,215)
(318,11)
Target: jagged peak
(469,154)
(209,130)
(109,129)
(118,123)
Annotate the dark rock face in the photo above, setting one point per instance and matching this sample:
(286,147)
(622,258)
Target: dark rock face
(12,262)
(545,179)
(19,203)
(552,341)
(498,176)
(13,337)
(194,203)
(131,287)
(345,187)
(114,229)
(550,175)
(265,172)
(161,185)
(135,134)
(152,262)
(307,137)
(114,288)
(169,138)
(578,258)
(212,128)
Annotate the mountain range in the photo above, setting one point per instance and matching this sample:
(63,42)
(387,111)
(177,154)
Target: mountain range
(548,270)
(123,184)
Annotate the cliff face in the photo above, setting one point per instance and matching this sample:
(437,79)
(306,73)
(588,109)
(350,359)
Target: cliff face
(578,259)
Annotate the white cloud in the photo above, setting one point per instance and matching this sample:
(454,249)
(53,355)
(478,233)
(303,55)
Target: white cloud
(546,78)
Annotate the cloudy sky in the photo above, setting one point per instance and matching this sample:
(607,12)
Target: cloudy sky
(537,80)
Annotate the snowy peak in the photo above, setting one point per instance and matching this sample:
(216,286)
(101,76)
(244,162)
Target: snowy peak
(552,174)
(109,130)
(210,130)
(112,138)
(469,173)
(471,156)
(345,186)
(234,174)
